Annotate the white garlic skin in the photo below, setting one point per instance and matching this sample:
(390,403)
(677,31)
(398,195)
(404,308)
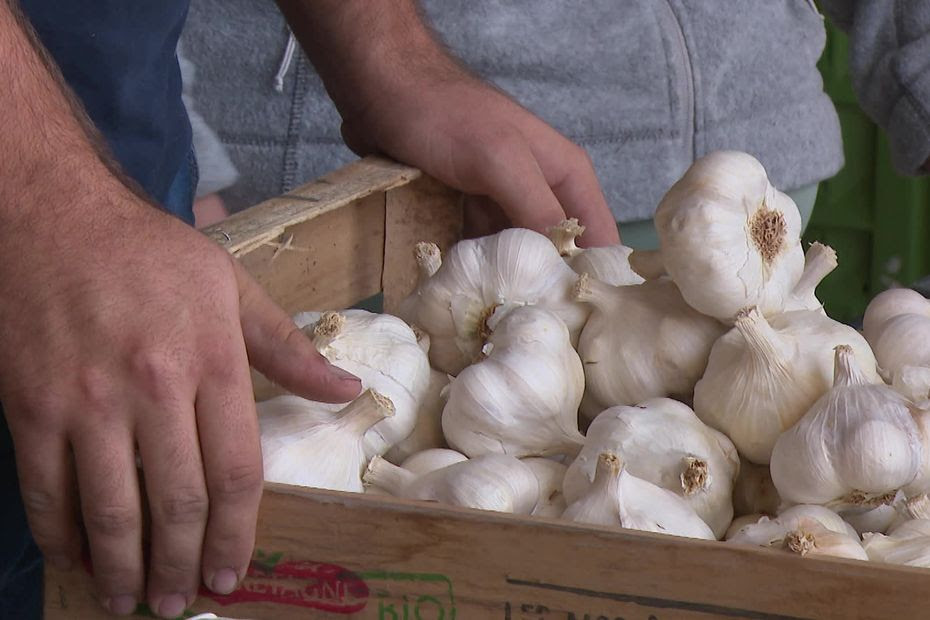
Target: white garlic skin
(889,304)
(427,432)
(550,475)
(496,482)
(656,439)
(641,342)
(906,545)
(327,453)
(856,437)
(512,268)
(383,352)
(869,514)
(609,264)
(431,460)
(804,533)
(729,239)
(522,399)
(617,498)
(791,517)
(764,374)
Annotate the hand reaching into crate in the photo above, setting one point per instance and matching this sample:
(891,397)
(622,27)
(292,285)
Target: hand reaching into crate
(400,94)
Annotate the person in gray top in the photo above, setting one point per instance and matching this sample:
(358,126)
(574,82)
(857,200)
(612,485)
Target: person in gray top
(645,86)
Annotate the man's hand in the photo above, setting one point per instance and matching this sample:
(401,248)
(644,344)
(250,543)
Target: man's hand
(123,332)
(133,335)
(400,94)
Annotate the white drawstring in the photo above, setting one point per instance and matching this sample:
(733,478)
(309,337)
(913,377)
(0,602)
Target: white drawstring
(286,61)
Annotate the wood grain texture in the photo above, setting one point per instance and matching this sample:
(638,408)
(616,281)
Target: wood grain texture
(423,210)
(490,566)
(326,263)
(247,230)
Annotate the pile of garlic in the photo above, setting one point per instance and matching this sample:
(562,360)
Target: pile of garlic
(699,390)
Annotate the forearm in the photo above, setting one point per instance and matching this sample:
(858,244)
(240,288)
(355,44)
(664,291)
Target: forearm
(365,49)
(50,153)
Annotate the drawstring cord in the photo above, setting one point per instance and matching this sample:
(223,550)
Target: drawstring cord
(286,62)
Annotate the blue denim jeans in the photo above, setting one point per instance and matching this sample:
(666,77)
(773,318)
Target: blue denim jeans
(20,561)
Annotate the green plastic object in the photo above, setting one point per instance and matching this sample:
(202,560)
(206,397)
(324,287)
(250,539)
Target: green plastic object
(877,221)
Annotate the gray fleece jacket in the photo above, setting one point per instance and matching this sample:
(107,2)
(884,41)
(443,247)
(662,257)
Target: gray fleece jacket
(646,86)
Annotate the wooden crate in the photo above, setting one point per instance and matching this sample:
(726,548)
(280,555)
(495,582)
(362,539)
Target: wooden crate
(322,554)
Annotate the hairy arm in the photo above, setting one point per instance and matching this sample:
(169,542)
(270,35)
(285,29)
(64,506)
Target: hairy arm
(123,331)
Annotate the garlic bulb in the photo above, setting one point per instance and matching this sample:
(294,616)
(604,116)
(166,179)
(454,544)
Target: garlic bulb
(856,437)
(326,453)
(550,475)
(762,376)
(803,535)
(754,492)
(740,523)
(869,512)
(522,399)
(429,259)
(907,545)
(427,431)
(609,264)
(431,460)
(828,518)
(383,352)
(491,482)
(913,382)
(641,342)
(490,275)
(664,443)
(729,239)
(617,498)
(889,304)
(819,262)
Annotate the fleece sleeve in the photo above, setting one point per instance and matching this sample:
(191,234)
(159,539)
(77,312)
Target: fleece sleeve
(889,58)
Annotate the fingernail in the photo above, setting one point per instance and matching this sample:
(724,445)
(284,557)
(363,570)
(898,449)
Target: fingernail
(172,606)
(224,581)
(122,605)
(61,562)
(343,375)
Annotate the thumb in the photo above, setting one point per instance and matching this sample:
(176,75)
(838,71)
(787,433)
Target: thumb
(281,352)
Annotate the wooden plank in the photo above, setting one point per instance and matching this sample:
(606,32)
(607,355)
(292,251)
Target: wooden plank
(250,229)
(395,557)
(327,263)
(424,210)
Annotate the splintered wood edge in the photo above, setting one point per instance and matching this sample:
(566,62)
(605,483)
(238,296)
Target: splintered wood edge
(244,231)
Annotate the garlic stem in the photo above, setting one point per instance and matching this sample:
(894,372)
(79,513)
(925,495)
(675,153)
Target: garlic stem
(390,477)
(593,291)
(648,263)
(563,236)
(365,411)
(819,261)
(429,259)
(328,328)
(846,371)
(696,475)
(762,340)
(609,466)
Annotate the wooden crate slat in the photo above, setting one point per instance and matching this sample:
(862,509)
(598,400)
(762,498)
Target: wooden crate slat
(247,230)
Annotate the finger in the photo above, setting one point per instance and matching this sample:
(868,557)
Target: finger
(581,197)
(178,504)
(482,217)
(47,484)
(569,171)
(109,489)
(229,443)
(512,177)
(280,351)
